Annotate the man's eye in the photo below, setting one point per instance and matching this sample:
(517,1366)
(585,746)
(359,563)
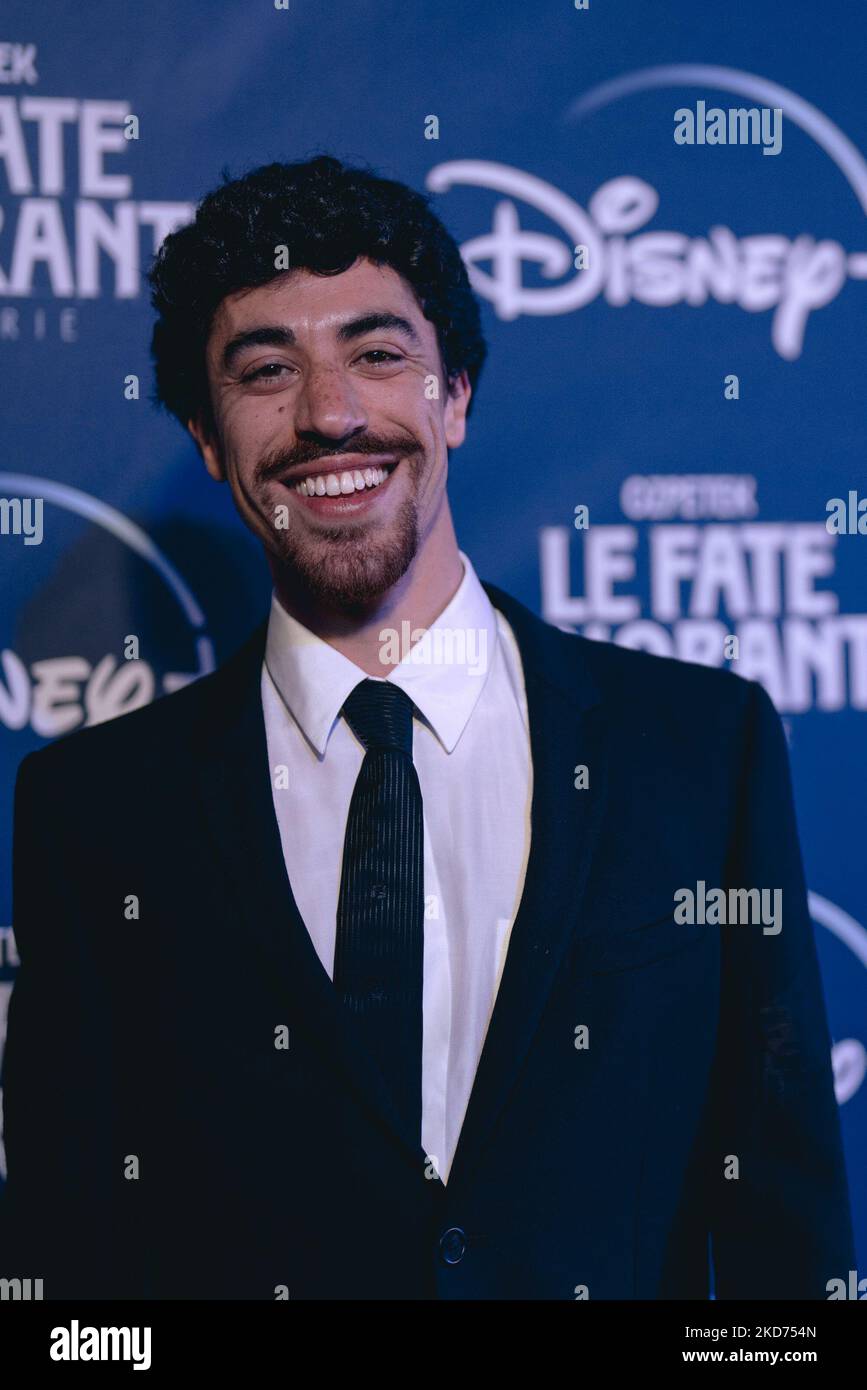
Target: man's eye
(270,372)
(384,357)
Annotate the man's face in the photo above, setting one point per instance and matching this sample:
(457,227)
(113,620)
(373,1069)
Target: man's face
(323,380)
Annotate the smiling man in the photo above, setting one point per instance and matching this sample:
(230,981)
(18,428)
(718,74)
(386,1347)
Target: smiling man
(351,972)
(351,506)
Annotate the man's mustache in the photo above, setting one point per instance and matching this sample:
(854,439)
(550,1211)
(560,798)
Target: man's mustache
(284,461)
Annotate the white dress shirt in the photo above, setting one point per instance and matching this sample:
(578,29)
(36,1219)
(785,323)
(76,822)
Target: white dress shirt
(471,750)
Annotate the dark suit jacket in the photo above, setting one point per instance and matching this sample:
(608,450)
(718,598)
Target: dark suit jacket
(146,1043)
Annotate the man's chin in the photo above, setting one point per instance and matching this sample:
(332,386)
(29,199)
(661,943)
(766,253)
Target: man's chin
(349,572)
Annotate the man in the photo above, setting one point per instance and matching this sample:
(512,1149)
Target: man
(361,969)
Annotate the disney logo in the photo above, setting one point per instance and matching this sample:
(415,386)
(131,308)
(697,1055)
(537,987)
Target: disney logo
(601,254)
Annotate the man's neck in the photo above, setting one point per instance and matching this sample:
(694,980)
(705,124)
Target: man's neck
(418,599)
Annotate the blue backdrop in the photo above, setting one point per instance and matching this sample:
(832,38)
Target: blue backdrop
(676,333)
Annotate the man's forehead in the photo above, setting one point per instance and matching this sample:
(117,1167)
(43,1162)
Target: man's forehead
(301,298)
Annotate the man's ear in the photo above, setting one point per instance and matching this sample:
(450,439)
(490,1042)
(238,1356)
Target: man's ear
(458,396)
(205,439)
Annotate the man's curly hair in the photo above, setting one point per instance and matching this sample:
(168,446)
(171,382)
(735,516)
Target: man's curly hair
(327,214)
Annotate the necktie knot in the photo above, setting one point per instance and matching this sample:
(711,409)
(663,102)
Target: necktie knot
(380,715)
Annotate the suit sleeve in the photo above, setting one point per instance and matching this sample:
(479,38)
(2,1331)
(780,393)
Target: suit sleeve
(781,1228)
(61,1164)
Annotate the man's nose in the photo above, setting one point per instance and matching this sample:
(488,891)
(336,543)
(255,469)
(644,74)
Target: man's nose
(329,405)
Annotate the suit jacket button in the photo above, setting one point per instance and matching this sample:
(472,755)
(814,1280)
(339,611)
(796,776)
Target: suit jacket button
(453,1245)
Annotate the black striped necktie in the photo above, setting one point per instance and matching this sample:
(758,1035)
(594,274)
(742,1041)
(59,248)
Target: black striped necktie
(379,952)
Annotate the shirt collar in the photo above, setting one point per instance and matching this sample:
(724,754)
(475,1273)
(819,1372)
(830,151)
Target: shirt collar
(444,673)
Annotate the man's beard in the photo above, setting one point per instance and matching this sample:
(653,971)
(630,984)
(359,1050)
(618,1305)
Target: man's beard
(347,566)
(351,564)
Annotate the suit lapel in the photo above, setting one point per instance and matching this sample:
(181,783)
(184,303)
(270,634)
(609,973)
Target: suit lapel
(237,801)
(567,728)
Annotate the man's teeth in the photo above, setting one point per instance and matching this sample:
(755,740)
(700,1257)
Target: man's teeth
(335,484)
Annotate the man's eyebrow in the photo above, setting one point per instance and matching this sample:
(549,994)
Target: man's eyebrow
(266,336)
(368,323)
